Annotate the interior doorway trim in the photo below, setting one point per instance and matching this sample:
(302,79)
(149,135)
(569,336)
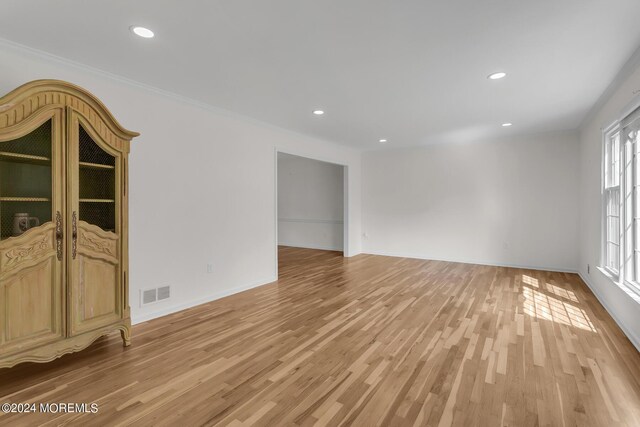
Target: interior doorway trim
(345,195)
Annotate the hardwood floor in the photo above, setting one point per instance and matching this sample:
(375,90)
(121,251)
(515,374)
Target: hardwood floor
(364,341)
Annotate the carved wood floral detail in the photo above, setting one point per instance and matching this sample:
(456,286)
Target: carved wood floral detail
(28,252)
(97,244)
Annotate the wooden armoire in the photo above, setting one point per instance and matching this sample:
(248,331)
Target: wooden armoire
(63,222)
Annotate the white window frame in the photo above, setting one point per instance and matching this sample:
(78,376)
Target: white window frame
(627,274)
(608,135)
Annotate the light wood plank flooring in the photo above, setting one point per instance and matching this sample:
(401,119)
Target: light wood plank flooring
(364,341)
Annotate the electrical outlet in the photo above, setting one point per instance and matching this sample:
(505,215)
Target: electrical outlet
(588,269)
(209,268)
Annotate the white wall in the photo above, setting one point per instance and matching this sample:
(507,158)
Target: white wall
(202,185)
(310,203)
(619,303)
(511,202)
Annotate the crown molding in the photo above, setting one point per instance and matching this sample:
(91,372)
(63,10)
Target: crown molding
(40,54)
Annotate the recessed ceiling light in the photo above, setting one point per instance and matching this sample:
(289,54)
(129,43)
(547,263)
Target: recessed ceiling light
(142,32)
(318,112)
(382,141)
(506,125)
(497,76)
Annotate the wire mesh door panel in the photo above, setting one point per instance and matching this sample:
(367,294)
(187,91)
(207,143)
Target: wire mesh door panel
(26,181)
(95,249)
(96,184)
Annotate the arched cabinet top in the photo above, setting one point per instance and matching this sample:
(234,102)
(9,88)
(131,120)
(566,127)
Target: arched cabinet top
(33,97)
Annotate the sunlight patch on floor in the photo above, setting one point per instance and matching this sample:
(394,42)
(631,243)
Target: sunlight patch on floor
(556,290)
(536,304)
(530,281)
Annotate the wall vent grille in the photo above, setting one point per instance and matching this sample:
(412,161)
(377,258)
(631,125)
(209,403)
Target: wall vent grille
(164,293)
(148,296)
(153,295)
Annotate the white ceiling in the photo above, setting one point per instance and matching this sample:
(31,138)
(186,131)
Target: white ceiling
(411,71)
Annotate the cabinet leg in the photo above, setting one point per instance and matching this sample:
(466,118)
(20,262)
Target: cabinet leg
(125,333)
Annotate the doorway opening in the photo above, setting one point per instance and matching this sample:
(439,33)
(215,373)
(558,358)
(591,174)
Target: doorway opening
(311,207)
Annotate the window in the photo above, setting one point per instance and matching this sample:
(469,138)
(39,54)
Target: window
(612,202)
(621,201)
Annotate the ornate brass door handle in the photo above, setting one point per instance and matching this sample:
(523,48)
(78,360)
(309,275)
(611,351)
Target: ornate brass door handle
(59,235)
(74,235)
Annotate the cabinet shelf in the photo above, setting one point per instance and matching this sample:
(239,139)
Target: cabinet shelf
(25,158)
(97,201)
(24,199)
(88,165)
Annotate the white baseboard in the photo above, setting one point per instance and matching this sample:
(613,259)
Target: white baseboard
(198,301)
(635,340)
(477,262)
(320,247)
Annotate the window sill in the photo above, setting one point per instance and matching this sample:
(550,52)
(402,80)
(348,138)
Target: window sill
(626,287)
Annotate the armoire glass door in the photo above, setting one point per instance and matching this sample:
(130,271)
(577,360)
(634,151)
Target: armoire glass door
(31,233)
(25,182)
(94,181)
(97,184)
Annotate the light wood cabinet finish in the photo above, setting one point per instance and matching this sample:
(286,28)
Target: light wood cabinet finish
(63,284)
